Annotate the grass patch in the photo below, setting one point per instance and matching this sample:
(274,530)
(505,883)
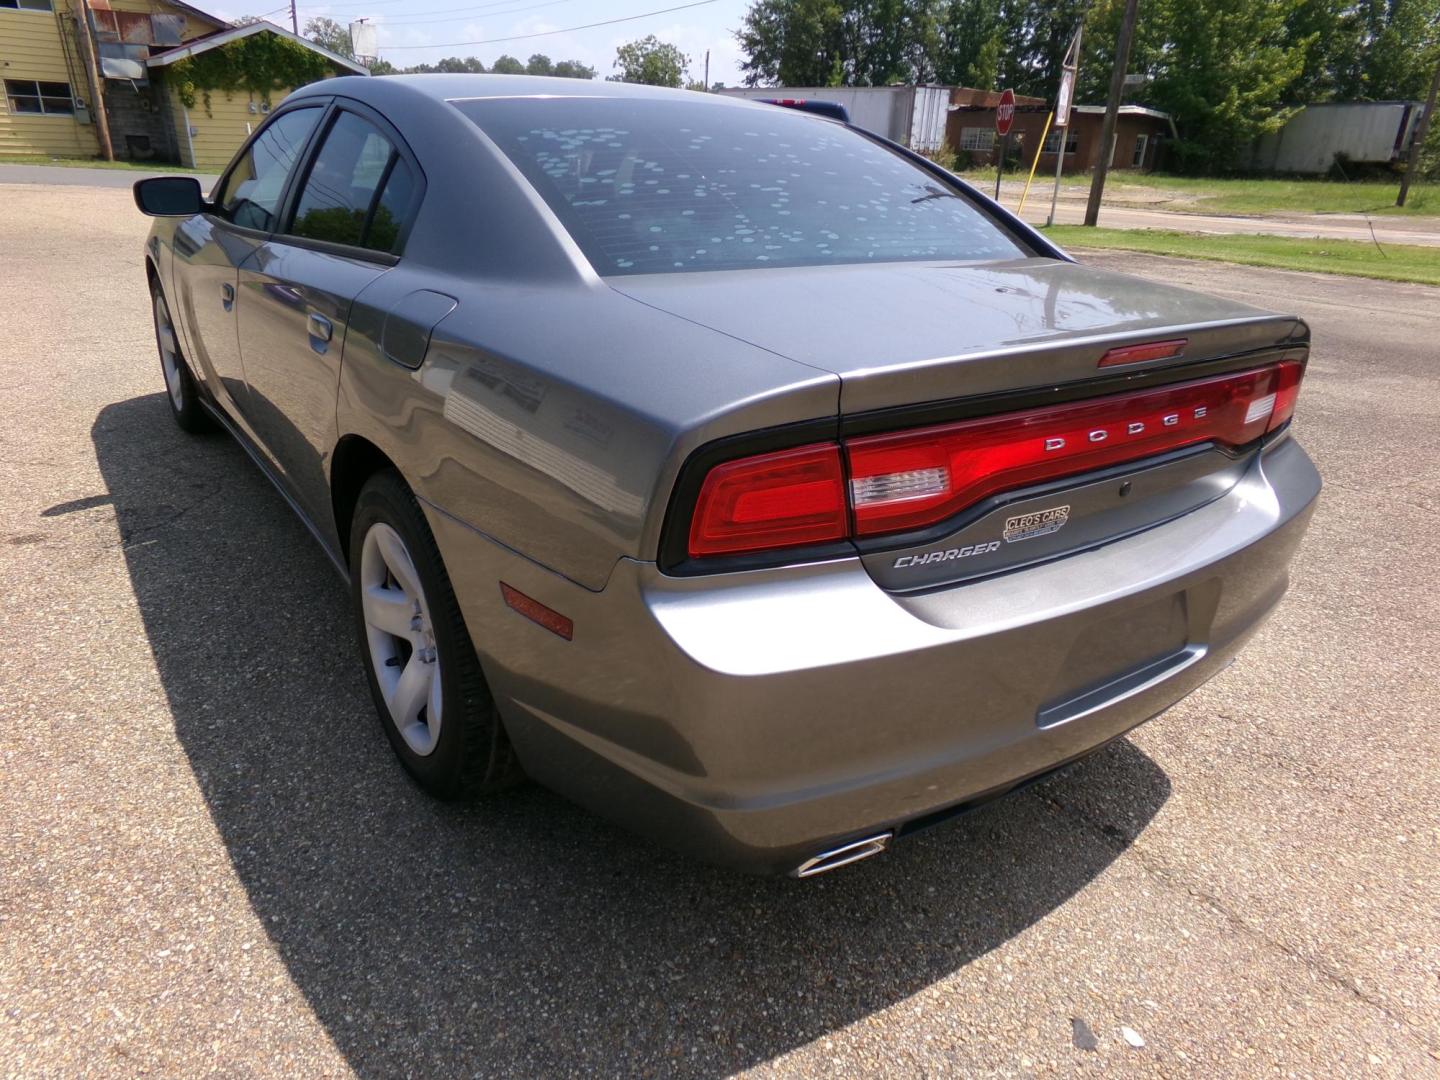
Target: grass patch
(96,163)
(1399,262)
(1220,195)
(1274,195)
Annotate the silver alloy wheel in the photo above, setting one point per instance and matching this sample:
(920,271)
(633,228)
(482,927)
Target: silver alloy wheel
(169,352)
(401,637)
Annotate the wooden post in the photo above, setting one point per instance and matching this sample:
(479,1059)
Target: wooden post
(1422,129)
(1112,112)
(97,85)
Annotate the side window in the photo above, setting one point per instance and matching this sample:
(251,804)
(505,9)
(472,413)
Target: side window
(358,189)
(252,191)
(390,211)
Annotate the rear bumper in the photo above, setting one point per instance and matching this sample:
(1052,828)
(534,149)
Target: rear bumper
(758,718)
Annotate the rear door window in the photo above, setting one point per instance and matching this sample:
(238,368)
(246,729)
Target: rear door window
(256,182)
(358,190)
(647,186)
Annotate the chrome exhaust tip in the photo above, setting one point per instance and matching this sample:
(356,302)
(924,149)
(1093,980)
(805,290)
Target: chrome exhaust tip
(844,856)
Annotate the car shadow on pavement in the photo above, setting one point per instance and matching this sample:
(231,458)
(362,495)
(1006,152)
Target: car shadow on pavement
(520,935)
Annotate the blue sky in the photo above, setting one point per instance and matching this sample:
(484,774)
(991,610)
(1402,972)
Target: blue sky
(412,31)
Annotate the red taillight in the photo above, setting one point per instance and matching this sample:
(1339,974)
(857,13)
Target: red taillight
(912,479)
(917,478)
(775,500)
(1286,392)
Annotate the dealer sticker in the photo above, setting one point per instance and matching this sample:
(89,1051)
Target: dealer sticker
(1040,523)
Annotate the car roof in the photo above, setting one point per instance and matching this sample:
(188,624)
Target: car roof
(443,87)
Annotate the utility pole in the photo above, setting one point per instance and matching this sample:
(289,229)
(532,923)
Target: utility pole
(1064,100)
(707,71)
(1416,144)
(294,19)
(97,87)
(1112,111)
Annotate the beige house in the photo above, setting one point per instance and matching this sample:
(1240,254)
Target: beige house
(49,100)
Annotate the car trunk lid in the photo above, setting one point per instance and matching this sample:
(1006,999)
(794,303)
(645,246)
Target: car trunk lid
(907,333)
(918,347)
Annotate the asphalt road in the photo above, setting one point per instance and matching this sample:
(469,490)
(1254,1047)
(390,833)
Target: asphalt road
(210,864)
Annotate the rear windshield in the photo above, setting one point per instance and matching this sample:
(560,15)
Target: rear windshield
(650,187)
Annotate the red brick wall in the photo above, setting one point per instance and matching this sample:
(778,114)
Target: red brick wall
(1029,122)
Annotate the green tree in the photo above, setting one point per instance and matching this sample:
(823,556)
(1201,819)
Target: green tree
(329,34)
(573,69)
(792,43)
(970,42)
(838,42)
(1398,39)
(451,65)
(651,61)
(539,64)
(1228,71)
(507,65)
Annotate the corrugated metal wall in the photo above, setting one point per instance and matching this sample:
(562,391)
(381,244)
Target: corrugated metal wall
(927,122)
(1367,132)
(912,115)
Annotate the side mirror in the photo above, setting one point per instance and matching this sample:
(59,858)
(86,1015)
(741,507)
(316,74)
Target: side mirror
(169,196)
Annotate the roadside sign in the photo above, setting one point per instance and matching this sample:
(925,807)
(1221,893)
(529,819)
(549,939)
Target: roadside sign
(1004,118)
(1005,114)
(1064,98)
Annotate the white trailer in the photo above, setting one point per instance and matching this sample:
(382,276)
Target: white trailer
(1370,132)
(911,115)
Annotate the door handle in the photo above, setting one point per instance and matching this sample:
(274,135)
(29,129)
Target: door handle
(319,327)
(227,295)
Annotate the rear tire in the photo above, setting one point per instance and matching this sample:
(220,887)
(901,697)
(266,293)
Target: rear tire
(429,691)
(181,390)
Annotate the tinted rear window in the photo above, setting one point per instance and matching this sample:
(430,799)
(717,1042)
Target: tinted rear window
(659,187)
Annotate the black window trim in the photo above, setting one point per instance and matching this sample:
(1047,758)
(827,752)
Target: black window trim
(401,150)
(39,95)
(217,192)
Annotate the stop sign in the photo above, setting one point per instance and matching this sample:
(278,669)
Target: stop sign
(1005,114)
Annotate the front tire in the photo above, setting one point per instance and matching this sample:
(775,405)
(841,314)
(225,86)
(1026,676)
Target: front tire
(425,678)
(180,387)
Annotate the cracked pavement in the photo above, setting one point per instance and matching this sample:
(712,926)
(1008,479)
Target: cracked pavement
(209,862)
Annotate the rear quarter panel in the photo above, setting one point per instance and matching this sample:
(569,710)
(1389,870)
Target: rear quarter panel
(553,419)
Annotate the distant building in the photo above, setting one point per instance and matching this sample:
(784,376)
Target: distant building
(1139,134)
(1362,132)
(927,118)
(48,105)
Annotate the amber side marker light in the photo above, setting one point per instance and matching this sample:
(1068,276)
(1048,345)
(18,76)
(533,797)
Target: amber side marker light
(537,612)
(1138,354)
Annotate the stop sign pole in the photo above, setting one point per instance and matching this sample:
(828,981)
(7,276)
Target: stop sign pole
(1004,121)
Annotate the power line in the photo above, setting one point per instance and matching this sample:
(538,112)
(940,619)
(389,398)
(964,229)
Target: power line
(376,3)
(467,12)
(548,33)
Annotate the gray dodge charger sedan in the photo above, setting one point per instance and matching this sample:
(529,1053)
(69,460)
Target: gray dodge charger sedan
(738,474)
